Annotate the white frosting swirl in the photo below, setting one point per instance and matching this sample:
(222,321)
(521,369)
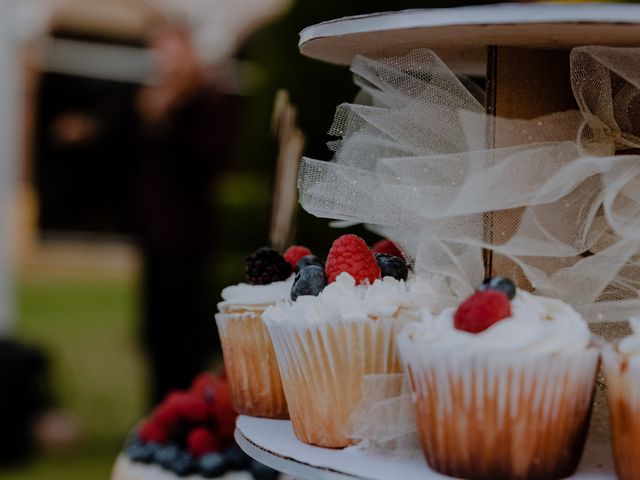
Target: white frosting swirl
(344,300)
(246,295)
(537,324)
(630,345)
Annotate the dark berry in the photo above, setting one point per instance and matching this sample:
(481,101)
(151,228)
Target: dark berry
(142,452)
(309,281)
(236,459)
(259,471)
(392,266)
(183,464)
(265,266)
(212,465)
(166,455)
(309,260)
(501,284)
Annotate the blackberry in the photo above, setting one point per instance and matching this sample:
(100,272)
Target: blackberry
(309,260)
(309,281)
(265,266)
(392,266)
(501,284)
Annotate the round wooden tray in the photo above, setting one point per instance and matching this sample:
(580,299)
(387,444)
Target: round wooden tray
(273,443)
(460,35)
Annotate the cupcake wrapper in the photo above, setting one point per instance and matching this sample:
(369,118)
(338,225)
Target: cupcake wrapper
(322,367)
(623,395)
(490,415)
(251,365)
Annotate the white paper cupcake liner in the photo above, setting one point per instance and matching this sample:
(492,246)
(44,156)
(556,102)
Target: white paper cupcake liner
(623,395)
(251,365)
(500,415)
(322,365)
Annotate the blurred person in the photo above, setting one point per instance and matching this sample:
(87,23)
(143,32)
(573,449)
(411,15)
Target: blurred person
(186,125)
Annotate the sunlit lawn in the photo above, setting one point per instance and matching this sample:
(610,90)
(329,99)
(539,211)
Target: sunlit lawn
(87,324)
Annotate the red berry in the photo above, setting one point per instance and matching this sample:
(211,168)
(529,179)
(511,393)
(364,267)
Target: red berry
(294,253)
(201,441)
(481,310)
(167,414)
(388,247)
(151,431)
(350,254)
(193,408)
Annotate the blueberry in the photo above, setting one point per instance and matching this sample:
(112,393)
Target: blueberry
(309,281)
(182,464)
(166,455)
(392,266)
(259,471)
(309,260)
(236,459)
(142,452)
(212,465)
(500,284)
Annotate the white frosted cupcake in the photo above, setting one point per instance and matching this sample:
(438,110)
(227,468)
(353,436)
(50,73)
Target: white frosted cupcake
(326,343)
(622,370)
(502,389)
(250,362)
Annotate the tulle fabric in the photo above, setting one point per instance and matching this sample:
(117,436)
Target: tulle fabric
(412,159)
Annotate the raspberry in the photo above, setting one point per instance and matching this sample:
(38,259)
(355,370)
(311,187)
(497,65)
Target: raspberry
(294,253)
(167,413)
(350,254)
(192,408)
(201,441)
(388,247)
(151,431)
(481,310)
(265,266)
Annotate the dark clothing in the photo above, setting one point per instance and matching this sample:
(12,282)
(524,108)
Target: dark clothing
(175,219)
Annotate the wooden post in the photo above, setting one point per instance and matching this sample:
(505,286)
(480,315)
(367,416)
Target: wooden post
(521,83)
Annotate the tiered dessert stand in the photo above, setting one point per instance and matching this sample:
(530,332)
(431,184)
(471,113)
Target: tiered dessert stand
(522,50)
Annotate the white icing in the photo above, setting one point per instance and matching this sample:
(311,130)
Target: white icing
(630,345)
(345,300)
(244,294)
(537,324)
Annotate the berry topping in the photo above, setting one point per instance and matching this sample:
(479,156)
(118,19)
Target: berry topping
(212,465)
(259,471)
(174,459)
(201,441)
(265,266)
(500,284)
(392,266)
(294,253)
(142,452)
(481,310)
(236,459)
(350,254)
(309,281)
(151,431)
(387,246)
(309,260)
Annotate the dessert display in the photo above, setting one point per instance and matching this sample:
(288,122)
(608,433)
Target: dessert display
(622,370)
(340,325)
(248,354)
(189,434)
(502,385)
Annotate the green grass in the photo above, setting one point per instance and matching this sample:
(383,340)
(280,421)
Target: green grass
(86,324)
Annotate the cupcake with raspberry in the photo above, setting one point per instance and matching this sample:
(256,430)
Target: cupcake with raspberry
(340,325)
(248,353)
(622,370)
(502,385)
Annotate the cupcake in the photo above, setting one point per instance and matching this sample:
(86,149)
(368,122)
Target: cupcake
(332,335)
(502,385)
(249,358)
(622,370)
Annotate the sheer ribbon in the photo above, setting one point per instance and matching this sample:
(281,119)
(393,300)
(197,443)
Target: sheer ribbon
(557,198)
